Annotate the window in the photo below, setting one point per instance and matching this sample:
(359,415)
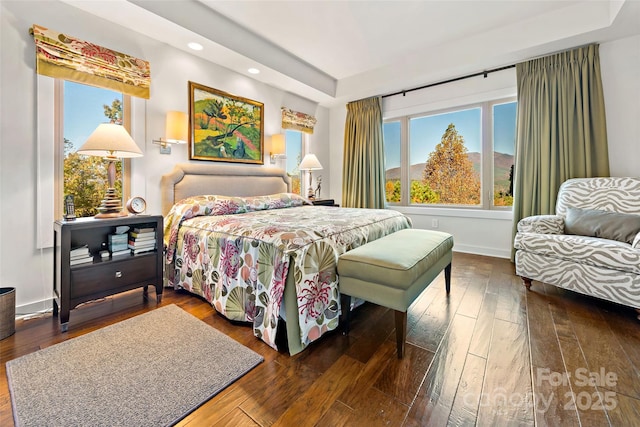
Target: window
(461,157)
(504,143)
(293,142)
(85,177)
(392,153)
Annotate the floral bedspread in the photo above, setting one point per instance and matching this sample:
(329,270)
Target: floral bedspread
(237,253)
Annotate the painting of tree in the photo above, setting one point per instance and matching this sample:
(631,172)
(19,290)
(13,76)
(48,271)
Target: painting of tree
(212,110)
(450,174)
(224,127)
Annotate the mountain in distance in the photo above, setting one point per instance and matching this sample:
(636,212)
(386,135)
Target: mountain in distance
(502,165)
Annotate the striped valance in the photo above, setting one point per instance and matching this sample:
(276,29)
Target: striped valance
(297,121)
(61,56)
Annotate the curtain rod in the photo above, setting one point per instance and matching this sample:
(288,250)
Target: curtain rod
(481,73)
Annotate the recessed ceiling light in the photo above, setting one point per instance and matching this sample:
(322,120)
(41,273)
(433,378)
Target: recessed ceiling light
(195,46)
(253,71)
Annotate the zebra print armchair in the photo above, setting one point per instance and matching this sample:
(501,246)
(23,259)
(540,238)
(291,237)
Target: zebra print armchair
(591,245)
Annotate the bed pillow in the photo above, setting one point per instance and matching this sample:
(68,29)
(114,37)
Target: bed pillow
(602,224)
(274,201)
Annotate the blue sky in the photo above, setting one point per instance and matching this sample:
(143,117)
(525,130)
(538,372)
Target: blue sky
(84,111)
(293,147)
(426,132)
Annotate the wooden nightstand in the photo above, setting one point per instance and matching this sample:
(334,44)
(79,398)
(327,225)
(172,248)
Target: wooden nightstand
(100,277)
(324,202)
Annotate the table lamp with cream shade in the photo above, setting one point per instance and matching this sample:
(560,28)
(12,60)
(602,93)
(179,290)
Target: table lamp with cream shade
(310,162)
(112,142)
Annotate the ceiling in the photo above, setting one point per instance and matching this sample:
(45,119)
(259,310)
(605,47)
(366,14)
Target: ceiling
(337,51)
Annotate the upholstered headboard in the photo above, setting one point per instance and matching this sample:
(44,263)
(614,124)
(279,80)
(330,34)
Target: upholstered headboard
(192,179)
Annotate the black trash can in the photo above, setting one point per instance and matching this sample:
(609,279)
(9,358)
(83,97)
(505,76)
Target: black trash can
(7,312)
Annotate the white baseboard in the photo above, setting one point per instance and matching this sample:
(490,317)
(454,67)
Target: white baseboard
(34,308)
(481,250)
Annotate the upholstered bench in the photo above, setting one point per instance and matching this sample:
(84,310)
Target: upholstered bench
(393,271)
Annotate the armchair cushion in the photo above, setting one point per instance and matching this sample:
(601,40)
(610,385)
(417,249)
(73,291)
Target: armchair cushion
(602,224)
(542,224)
(607,254)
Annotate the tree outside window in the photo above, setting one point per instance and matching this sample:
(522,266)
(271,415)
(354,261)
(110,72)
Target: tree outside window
(449,174)
(443,170)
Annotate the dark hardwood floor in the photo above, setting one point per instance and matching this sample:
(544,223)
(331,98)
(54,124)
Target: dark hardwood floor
(490,354)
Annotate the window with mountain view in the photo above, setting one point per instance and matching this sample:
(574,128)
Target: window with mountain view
(504,143)
(452,160)
(392,153)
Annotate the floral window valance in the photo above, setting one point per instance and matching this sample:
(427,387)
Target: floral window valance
(297,121)
(61,56)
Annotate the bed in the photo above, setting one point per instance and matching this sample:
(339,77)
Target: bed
(237,237)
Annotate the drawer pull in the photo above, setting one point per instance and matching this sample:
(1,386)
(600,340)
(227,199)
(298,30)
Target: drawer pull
(118,274)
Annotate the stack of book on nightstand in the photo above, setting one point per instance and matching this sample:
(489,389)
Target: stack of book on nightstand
(142,240)
(118,244)
(80,255)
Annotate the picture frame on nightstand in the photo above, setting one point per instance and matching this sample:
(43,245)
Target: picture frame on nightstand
(69,208)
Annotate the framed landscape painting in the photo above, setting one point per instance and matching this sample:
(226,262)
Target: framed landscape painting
(224,127)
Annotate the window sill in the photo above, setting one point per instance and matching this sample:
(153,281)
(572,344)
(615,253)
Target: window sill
(459,213)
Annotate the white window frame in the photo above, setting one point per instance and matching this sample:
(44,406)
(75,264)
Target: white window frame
(59,147)
(486,168)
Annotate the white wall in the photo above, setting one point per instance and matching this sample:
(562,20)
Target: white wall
(620,67)
(22,265)
(490,233)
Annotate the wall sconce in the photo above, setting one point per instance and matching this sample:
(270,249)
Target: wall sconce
(176,131)
(277,148)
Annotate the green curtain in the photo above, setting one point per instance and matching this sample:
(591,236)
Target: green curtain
(561,128)
(363,173)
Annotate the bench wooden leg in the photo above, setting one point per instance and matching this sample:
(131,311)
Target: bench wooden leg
(447,278)
(401,331)
(527,283)
(345,317)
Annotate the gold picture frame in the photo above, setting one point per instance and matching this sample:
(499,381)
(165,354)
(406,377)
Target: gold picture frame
(224,127)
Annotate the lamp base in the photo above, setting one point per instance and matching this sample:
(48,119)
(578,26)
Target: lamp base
(111,206)
(310,193)
(111,214)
